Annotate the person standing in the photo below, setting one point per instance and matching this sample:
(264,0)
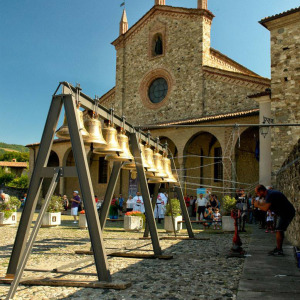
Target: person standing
(159,211)
(76,201)
(65,202)
(201,204)
(4,197)
(138,203)
(129,204)
(23,200)
(121,201)
(192,206)
(282,207)
(187,201)
(114,208)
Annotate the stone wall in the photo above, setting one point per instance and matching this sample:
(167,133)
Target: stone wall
(285,70)
(224,97)
(287,181)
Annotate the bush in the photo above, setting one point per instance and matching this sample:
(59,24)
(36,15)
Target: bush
(6,178)
(55,205)
(228,204)
(21,182)
(9,207)
(19,156)
(176,210)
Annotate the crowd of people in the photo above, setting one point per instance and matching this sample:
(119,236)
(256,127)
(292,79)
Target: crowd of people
(269,208)
(205,208)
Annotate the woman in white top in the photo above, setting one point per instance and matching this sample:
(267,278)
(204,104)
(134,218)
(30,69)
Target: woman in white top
(129,204)
(201,204)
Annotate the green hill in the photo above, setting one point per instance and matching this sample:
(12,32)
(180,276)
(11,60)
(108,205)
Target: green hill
(4,148)
(11,151)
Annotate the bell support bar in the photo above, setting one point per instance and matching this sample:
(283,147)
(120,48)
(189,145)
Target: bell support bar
(88,103)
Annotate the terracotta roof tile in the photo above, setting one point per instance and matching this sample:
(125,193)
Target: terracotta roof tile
(280,15)
(13,164)
(56,141)
(267,92)
(212,118)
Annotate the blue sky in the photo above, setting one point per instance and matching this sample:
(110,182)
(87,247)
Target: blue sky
(44,42)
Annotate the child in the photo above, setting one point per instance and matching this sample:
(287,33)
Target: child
(270,221)
(217,219)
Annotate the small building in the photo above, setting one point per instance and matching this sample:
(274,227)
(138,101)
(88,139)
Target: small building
(13,167)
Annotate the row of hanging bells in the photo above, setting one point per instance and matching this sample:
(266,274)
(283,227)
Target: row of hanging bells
(116,147)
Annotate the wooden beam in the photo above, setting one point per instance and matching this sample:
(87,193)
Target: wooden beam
(129,255)
(116,285)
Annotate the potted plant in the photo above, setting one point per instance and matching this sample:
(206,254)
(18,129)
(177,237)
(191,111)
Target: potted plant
(173,210)
(82,220)
(229,203)
(134,221)
(8,211)
(53,215)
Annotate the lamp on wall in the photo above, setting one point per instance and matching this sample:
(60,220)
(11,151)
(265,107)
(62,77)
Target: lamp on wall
(264,130)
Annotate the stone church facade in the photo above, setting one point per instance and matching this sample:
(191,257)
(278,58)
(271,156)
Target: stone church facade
(167,74)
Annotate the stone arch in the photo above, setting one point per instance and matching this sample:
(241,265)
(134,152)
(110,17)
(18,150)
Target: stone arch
(67,152)
(246,169)
(53,161)
(171,147)
(203,165)
(71,183)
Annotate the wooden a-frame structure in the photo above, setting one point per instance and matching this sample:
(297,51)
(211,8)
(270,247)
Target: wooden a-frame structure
(24,243)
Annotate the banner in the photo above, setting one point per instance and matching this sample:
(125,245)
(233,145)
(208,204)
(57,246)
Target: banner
(133,185)
(204,191)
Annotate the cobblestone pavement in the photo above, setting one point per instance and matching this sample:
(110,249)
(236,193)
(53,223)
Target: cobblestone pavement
(199,269)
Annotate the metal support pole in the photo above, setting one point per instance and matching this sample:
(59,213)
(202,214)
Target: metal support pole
(35,185)
(155,194)
(185,212)
(86,190)
(27,251)
(109,192)
(145,193)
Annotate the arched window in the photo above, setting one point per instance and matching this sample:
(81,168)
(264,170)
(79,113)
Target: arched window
(157,45)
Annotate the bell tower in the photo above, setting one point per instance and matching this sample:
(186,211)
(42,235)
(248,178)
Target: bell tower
(123,23)
(205,23)
(202,4)
(160,2)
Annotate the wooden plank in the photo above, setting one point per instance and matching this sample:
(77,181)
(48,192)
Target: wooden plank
(129,255)
(140,255)
(86,252)
(116,285)
(201,221)
(183,238)
(56,271)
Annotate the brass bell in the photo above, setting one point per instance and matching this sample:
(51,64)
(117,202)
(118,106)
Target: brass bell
(82,129)
(168,170)
(149,159)
(93,126)
(160,175)
(155,180)
(124,144)
(63,131)
(110,136)
(129,165)
(159,165)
